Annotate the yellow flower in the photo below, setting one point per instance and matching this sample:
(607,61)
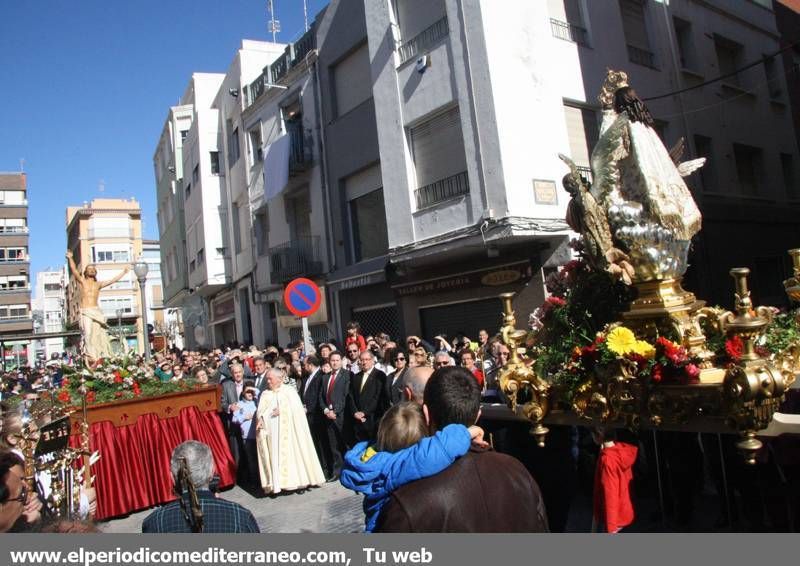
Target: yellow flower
(621,341)
(644,349)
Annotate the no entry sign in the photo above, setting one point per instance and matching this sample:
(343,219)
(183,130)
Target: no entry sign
(302,297)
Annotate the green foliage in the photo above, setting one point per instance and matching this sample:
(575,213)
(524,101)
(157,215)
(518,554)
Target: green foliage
(782,333)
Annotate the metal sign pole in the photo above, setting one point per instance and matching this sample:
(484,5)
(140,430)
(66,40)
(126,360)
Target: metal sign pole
(306,336)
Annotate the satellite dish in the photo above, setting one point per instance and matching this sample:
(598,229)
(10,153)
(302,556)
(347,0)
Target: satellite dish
(423,62)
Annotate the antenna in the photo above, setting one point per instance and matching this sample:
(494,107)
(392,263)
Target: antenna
(305,13)
(274,25)
(21,164)
(101,186)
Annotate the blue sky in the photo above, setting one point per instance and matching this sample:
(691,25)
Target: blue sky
(85,86)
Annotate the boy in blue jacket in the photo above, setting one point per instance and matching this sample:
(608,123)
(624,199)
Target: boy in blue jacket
(403,453)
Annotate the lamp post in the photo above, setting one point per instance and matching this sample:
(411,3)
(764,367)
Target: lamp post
(140,269)
(119,331)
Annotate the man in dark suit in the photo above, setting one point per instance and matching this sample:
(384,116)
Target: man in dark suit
(260,377)
(483,491)
(309,392)
(333,403)
(231,393)
(367,400)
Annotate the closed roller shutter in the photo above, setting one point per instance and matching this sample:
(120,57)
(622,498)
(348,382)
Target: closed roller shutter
(468,317)
(438,148)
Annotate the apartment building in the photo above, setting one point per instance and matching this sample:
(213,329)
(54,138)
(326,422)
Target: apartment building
(15,289)
(107,233)
(234,312)
(192,216)
(287,200)
(49,303)
(787,15)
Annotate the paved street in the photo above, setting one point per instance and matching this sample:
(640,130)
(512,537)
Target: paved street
(327,509)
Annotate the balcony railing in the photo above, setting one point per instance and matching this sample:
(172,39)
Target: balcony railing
(23,202)
(15,290)
(569,32)
(298,257)
(585,172)
(16,318)
(300,154)
(13,230)
(125,233)
(442,190)
(641,56)
(24,259)
(304,45)
(424,40)
(280,66)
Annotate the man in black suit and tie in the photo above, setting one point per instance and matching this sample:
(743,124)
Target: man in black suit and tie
(367,400)
(309,392)
(333,402)
(231,393)
(260,378)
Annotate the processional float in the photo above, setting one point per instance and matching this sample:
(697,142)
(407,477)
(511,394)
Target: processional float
(652,364)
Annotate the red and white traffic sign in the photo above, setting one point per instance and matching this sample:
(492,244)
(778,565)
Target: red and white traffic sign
(302,297)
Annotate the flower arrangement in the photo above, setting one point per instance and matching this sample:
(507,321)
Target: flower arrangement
(115,379)
(617,347)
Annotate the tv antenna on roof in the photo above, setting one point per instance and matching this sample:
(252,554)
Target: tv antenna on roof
(21,164)
(274,25)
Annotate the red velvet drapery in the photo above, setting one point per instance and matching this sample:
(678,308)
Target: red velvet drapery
(133,471)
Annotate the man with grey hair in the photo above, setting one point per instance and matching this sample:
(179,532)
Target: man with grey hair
(414,383)
(182,516)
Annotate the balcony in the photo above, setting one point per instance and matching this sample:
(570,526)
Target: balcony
(124,233)
(424,40)
(300,144)
(304,45)
(569,32)
(280,66)
(442,190)
(8,230)
(641,56)
(299,257)
(585,172)
(15,290)
(23,202)
(23,259)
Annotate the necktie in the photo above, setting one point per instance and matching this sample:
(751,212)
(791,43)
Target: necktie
(258,382)
(330,387)
(363,381)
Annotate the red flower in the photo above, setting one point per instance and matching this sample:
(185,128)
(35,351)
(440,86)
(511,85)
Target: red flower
(90,397)
(657,374)
(555,301)
(65,382)
(693,373)
(136,389)
(117,377)
(734,347)
(117,394)
(64,396)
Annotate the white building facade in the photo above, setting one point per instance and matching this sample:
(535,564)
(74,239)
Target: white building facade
(49,307)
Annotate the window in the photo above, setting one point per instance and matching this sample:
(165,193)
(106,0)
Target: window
(14,282)
(729,55)
(200,256)
(368,215)
(237,231)
(634,26)
(233,143)
(582,132)
(188,191)
(704,148)
(787,167)
(110,305)
(14,312)
(352,80)
(437,147)
(192,266)
(12,254)
(749,167)
(125,283)
(573,29)
(214,155)
(686,51)
(12,226)
(109,227)
(110,254)
(773,78)
(196,174)
(415,16)
(12,197)
(256,154)
(184,133)
(52,287)
(261,228)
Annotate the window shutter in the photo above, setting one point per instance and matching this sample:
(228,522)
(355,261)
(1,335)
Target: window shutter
(582,132)
(438,148)
(572,8)
(364,182)
(633,23)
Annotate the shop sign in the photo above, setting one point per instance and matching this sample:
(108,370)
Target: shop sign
(223,308)
(545,192)
(487,278)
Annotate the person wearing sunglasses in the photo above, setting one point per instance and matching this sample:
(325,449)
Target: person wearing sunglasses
(395,382)
(18,505)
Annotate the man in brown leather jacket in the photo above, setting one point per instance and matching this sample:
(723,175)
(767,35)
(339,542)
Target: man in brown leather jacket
(483,491)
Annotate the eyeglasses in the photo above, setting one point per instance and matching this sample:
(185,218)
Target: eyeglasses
(419,354)
(352,351)
(400,358)
(23,495)
(439,364)
(504,354)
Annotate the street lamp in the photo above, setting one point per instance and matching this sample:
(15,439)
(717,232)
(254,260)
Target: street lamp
(140,269)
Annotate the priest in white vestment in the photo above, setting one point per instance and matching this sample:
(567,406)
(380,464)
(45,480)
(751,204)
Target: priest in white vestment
(287,459)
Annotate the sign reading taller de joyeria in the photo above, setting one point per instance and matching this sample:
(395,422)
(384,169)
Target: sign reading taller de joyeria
(499,276)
